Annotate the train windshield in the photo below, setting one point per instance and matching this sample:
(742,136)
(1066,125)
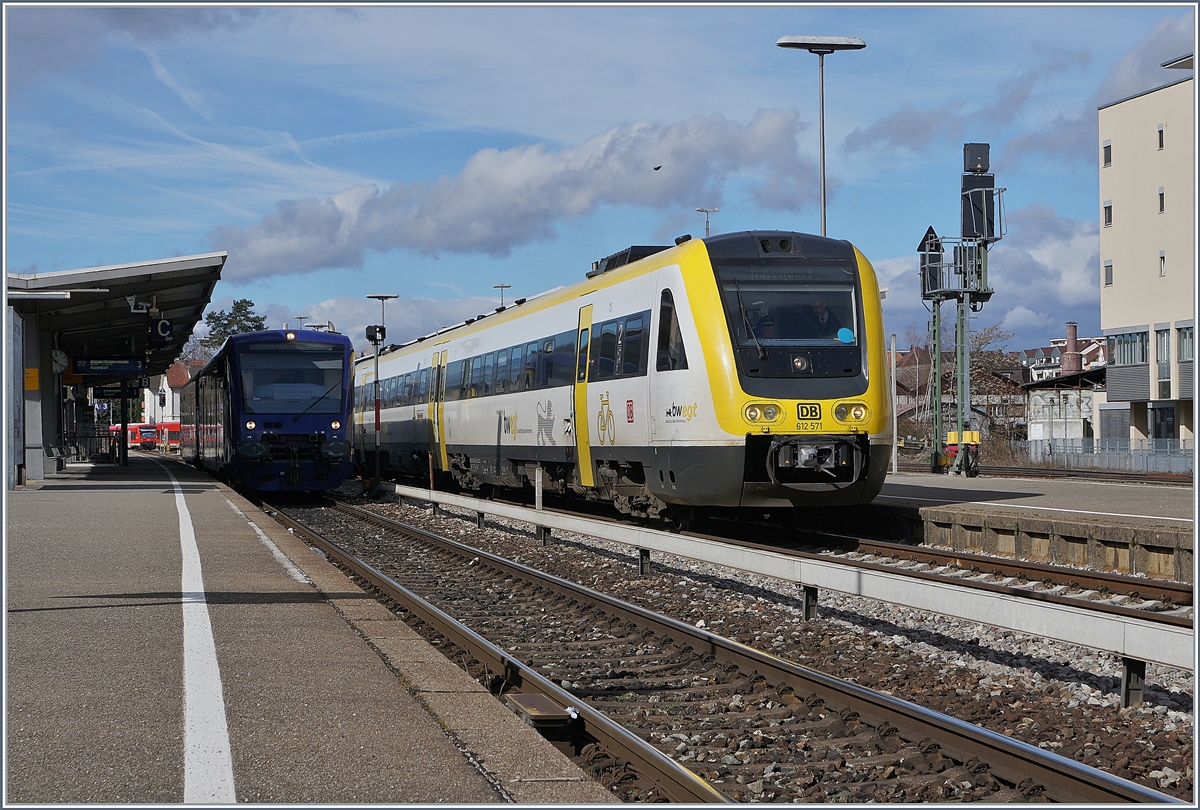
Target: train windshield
(292,378)
(794,314)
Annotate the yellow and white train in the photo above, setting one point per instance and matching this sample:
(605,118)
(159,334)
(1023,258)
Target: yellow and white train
(742,370)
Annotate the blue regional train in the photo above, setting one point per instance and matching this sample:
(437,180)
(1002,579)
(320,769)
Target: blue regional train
(271,411)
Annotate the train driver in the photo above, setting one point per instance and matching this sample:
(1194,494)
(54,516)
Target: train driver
(824,322)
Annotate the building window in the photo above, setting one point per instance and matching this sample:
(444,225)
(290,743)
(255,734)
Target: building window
(1129,349)
(1108,214)
(1160,136)
(1107,154)
(1108,274)
(1185,344)
(1162,353)
(1162,200)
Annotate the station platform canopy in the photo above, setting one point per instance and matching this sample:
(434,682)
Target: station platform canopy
(107,311)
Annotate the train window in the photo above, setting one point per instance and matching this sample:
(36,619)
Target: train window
(463,379)
(516,368)
(501,371)
(581,368)
(633,361)
(563,372)
(454,381)
(545,363)
(671,354)
(475,384)
(606,362)
(531,364)
(489,373)
(423,387)
(410,389)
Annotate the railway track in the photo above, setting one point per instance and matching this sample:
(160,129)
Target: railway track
(1158,600)
(1155,600)
(751,726)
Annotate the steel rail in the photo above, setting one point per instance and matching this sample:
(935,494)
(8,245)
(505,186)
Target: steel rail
(1010,760)
(1017,568)
(1136,637)
(675,781)
(1168,590)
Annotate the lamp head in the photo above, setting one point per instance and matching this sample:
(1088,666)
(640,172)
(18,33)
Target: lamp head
(821,45)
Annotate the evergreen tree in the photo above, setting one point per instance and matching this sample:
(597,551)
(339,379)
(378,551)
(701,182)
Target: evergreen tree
(240,318)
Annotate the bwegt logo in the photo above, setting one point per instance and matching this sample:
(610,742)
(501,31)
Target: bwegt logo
(684,412)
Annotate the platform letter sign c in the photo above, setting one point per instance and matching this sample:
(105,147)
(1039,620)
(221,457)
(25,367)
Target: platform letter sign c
(160,331)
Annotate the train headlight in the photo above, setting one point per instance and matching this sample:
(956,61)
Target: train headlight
(290,335)
(251,424)
(851,412)
(762,412)
(335,424)
(800,363)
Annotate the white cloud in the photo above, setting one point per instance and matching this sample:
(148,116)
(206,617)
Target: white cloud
(503,199)
(1140,69)
(1021,317)
(406,318)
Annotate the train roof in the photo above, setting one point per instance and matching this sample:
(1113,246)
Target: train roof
(638,259)
(282,336)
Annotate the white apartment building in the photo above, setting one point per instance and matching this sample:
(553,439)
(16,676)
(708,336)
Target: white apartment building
(1148,261)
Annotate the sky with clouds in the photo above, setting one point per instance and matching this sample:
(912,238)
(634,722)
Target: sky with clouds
(436,151)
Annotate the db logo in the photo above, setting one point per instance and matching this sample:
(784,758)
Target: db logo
(808,410)
(629,410)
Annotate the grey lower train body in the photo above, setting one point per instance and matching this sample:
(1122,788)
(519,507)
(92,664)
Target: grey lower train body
(766,472)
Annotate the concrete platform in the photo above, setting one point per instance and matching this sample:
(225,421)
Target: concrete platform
(168,643)
(1131,528)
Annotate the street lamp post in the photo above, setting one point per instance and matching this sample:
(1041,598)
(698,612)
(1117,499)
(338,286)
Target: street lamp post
(822,46)
(376,335)
(706,212)
(501,288)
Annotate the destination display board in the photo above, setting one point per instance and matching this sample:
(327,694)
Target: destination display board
(133,389)
(109,365)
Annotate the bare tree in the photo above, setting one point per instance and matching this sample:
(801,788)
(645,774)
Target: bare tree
(195,349)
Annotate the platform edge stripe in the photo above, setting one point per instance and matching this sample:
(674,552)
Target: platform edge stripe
(208,762)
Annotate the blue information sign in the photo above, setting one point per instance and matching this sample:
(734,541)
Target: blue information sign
(109,365)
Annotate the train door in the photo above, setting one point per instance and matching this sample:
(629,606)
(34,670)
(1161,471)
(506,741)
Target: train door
(668,354)
(579,420)
(439,411)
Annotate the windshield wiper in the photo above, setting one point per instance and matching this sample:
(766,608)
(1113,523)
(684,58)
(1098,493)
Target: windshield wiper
(318,399)
(762,353)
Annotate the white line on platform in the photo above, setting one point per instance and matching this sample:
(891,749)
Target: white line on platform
(207,762)
(943,501)
(294,572)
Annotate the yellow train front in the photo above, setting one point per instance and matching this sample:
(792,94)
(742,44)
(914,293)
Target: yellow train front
(741,370)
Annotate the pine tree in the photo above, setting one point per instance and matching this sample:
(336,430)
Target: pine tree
(240,318)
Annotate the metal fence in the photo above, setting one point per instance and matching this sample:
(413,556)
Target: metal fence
(91,446)
(1143,455)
